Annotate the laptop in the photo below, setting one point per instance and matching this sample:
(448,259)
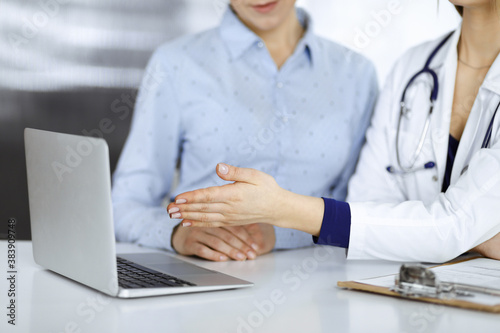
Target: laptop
(71,213)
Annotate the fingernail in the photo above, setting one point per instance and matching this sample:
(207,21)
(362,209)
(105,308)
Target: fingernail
(186,224)
(223,169)
(240,256)
(180,201)
(251,255)
(173,210)
(176,215)
(255,247)
(222,258)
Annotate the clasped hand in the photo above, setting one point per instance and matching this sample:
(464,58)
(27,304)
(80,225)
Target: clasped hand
(236,209)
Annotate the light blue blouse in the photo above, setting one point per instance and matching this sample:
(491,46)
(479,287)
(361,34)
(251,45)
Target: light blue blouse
(217,96)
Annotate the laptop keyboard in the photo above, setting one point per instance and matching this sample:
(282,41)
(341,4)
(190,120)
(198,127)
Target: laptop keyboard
(132,275)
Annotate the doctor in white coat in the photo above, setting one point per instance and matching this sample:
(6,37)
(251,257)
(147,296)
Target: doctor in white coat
(427,185)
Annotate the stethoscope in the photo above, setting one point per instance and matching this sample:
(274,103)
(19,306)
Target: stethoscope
(404,111)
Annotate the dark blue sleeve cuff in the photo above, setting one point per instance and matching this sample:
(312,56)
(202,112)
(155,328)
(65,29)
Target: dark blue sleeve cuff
(336,226)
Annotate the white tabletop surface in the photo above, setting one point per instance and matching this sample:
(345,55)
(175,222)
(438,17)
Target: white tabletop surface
(295,291)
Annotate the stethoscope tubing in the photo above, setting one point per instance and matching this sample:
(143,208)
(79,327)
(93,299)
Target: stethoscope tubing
(487,137)
(432,97)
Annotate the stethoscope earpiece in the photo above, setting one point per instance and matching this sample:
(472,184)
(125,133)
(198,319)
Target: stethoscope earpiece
(429,165)
(393,170)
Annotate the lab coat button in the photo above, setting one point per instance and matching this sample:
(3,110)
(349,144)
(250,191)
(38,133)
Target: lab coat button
(434,178)
(260,44)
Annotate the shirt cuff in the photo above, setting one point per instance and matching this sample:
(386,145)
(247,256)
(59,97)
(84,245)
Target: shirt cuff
(336,225)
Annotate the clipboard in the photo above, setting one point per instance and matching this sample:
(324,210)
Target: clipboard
(477,302)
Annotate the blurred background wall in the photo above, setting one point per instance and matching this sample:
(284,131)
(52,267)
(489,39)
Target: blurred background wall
(67,64)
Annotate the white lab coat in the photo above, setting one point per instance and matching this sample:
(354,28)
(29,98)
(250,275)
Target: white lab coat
(406,217)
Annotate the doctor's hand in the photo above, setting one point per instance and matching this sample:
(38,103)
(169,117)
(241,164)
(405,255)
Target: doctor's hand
(254,197)
(221,244)
(490,248)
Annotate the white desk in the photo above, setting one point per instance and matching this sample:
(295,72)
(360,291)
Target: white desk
(309,301)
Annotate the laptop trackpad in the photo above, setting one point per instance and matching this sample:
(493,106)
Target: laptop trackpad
(180,269)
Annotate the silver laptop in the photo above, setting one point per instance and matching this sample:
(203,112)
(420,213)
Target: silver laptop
(72,229)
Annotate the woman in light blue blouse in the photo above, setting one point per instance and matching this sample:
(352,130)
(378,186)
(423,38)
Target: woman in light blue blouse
(260,90)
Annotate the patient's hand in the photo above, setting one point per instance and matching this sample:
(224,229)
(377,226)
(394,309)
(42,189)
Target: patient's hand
(490,248)
(263,235)
(221,244)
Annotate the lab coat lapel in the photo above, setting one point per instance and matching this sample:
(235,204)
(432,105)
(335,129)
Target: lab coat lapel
(492,79)
(447,60)
(479,118)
